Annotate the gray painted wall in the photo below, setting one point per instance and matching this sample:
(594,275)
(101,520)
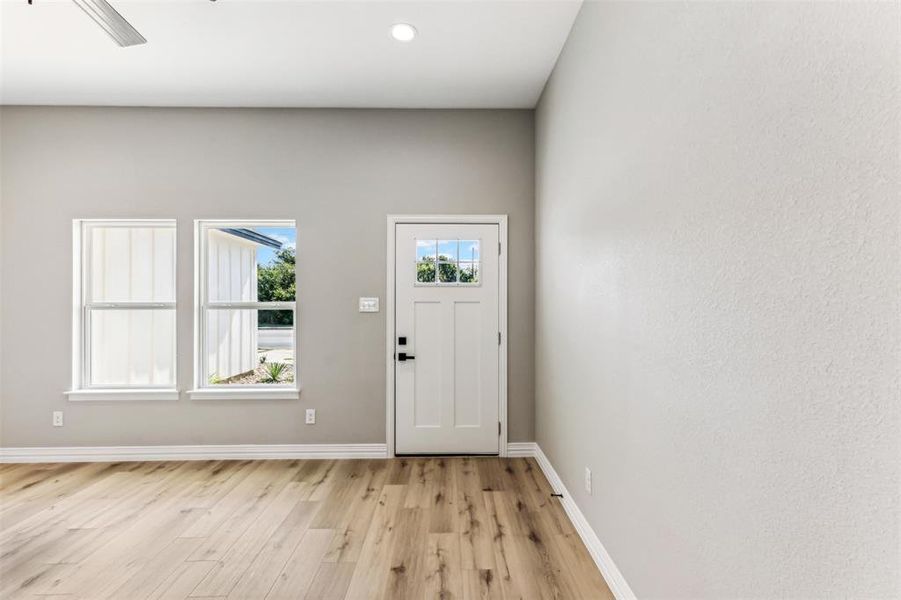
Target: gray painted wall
(718,297)
(337,172)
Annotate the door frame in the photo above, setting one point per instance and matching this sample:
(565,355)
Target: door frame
(391,313)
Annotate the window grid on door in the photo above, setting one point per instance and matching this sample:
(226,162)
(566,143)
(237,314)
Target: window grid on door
(448,262)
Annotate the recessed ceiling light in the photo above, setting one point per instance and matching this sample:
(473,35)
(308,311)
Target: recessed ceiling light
(403,32)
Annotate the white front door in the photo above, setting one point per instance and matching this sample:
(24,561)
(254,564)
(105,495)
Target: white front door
(447,339)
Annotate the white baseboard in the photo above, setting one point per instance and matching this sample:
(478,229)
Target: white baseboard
(219,452)
(615,580)
(605,564)
(521,449)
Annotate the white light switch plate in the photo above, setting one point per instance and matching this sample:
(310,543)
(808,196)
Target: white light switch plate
(311,416)
(369,305)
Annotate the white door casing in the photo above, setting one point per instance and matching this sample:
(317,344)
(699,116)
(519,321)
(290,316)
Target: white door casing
(447,395)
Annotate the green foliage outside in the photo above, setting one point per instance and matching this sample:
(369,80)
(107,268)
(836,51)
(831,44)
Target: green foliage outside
(447,271)
(276,283)
(468,275)
(273,372)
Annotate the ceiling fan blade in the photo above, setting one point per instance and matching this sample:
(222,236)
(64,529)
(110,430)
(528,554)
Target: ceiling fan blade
(112,22)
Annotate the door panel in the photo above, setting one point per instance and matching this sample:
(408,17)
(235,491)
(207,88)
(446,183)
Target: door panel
(446,394)
(467,364)
(427,367)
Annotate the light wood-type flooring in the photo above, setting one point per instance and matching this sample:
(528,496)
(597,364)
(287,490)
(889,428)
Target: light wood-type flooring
(417,528)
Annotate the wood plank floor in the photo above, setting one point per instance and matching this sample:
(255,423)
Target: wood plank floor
(449,528)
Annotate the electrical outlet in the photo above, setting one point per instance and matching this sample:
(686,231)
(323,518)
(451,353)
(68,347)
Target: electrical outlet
(588,480)
(57,418)
(311,416)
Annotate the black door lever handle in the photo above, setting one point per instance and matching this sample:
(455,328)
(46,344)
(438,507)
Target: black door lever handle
(403,356)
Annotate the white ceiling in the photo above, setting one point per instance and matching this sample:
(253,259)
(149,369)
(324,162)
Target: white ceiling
(336,53)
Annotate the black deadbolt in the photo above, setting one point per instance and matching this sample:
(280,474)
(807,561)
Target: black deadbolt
(402,340)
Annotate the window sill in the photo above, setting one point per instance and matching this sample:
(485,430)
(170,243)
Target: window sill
(122,394)
(250,394)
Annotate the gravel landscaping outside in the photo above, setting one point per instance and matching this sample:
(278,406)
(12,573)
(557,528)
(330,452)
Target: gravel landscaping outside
(260,373)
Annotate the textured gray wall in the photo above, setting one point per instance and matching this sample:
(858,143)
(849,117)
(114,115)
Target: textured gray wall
(337,172)
(717,299)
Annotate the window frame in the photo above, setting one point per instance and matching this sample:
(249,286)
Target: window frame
(202,305)
(457,262)
(83,307)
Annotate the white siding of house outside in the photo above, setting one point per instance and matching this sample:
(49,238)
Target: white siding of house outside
(231,333)
(132,347)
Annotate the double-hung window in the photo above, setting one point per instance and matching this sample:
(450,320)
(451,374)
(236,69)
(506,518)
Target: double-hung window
(244,337)
(124,310)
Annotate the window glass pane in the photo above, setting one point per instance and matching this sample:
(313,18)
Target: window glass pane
(132,347)
(425,272)
(469,272)
(425,250)
(447,250)
(469,250)
(249,347)
(447,272)
(251,264)
(132,264)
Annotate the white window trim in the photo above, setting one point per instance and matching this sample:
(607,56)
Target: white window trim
(122,394)
(202,390)
(81,390)
(251,392)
